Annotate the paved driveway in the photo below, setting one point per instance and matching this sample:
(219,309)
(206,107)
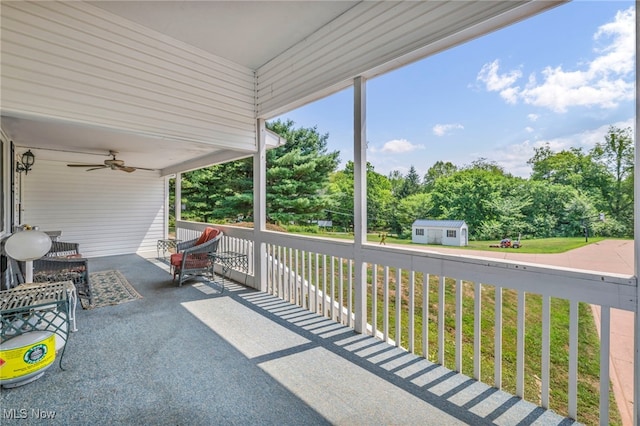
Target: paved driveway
(615,256)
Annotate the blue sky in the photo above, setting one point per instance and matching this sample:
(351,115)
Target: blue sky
(560,78)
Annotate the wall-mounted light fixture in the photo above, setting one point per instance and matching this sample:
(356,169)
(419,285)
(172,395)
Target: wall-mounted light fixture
(26,162)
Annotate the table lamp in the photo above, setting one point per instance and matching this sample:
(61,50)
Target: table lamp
(27,246)
(37,348)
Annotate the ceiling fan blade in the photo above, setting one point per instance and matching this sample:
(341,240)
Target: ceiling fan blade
(85,165)
(126,169)
(97,168)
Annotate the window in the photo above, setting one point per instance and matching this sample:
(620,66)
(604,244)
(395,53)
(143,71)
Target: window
(451,233)
(419,231)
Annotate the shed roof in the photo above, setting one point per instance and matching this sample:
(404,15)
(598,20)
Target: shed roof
(439,223)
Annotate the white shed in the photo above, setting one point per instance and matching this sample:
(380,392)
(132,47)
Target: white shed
(445,232)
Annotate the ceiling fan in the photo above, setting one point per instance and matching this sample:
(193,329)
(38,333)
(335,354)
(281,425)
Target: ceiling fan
(113,164)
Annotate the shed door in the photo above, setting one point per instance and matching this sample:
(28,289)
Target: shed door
(434,236)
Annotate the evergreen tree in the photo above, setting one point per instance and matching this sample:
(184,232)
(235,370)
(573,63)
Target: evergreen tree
(411,184)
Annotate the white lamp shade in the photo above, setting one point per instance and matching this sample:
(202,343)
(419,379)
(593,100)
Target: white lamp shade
(28,245)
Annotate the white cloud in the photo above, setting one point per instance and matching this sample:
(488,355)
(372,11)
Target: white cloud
(398,146)
(513,158)
(533,117)
(528,129)
(443,129)
(604,82)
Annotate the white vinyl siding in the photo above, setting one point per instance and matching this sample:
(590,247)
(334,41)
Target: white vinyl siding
(108,212)
(75,62)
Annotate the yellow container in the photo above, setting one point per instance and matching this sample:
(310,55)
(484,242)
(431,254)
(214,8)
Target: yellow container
(26,356)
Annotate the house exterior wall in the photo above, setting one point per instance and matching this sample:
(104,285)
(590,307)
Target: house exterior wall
(76,62)
(107,212)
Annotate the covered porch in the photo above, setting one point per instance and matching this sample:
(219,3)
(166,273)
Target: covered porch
(301,343)
(196,355)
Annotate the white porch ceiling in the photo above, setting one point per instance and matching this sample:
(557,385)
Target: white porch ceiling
(202,59)
(249,33)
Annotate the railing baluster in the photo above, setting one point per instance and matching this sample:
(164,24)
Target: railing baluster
(281,267)
(398,306)
(458,313)
(290,275)
(477,331)
(546,354)
(412,285)
(307,301)
(374,300)
(385,307)
(296,278)
(573,360)
(310,283)
(425,315)
(333,288)
(520,345)
(497,369)
(303,292)
(441,319)
(341,291)
(272,268)
(324,285)
(350,293)
(317,287)
(605,342)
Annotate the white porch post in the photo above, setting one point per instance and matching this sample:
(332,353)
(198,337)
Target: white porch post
(177,208)
(636,242)
(360,201)
(177,203)
(260,209)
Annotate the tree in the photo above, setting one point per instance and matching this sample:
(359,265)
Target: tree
(568,167)
(397,180)
(411,208)
(460,196)
(616,155)
(298,174)
(438,170)
(411,184)
(297,177)
(487,166)
(379,197)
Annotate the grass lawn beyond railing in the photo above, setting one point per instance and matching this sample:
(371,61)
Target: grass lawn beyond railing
(534,246)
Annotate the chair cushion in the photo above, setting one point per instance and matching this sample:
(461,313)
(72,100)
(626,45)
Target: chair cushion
(176,259)
(207,234)
(199,260)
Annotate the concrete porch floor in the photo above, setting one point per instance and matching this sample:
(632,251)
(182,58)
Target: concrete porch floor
(194,355)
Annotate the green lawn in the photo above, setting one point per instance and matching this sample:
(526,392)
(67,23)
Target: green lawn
(537,246)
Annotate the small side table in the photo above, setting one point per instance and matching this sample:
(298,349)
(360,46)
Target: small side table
(229,260)
(165,245)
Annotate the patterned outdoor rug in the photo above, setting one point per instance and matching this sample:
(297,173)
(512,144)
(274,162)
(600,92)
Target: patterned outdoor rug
(110,288)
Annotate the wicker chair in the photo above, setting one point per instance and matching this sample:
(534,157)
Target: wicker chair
(192,257)
(63,262)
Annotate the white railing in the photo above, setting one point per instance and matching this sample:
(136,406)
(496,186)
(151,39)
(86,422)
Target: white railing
(318,274)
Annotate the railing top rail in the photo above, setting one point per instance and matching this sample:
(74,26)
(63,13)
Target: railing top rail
(229,230)
(599,288)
